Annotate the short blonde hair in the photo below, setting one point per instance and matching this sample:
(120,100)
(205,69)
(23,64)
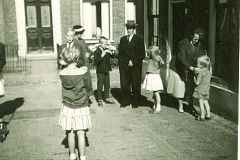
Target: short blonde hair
(205,62)
(70,55)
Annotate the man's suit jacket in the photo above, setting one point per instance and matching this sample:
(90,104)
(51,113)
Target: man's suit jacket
(85,49)
(133,50)
(102,63)
(2,57)
(76,44)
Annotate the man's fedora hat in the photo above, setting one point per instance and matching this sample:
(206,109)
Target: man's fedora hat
(131,24)
(78,29)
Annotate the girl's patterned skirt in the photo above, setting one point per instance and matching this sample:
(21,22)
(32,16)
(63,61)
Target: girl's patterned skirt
(76,119)
(153,82)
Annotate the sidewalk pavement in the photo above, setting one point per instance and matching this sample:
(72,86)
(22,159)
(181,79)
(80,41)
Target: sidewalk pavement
(116,133)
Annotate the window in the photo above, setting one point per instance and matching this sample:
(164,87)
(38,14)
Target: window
(96,18)
(131,10)
(153,22)
(227,44)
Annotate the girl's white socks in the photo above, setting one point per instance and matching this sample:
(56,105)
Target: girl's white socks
(82,157)
(158,107)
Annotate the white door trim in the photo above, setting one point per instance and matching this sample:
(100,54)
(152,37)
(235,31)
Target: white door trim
(21,27)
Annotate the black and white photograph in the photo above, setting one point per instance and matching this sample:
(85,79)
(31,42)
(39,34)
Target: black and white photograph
(119,79)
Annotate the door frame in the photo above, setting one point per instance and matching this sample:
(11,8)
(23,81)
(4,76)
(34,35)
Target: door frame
(170,21)
(21,26)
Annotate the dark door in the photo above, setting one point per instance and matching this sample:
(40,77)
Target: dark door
(178,24)
(39,25)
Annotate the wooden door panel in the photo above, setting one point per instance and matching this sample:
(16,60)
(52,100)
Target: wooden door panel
(46,27)
(33,40)
(47,38)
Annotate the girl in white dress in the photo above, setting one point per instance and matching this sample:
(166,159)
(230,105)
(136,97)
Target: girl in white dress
(74,115)
(153,81)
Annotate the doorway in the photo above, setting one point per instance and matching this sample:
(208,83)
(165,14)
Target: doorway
(178,25)
(39,26)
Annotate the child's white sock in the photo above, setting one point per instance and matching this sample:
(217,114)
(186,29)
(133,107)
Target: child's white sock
(154,107)
(82,157)
(72,156)
(158,107)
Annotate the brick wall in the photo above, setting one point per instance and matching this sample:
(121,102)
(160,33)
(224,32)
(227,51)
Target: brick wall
(2,37)
(118,19)
(10,21)
(70,15)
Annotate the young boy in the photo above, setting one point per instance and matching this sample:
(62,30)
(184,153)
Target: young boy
(102,60)
(201,91)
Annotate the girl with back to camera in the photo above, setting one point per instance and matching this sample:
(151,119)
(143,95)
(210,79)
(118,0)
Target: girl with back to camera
(153,81)
(74,115)
(201,92)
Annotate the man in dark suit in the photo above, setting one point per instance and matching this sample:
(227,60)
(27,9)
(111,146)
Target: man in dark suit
(131,55)
(102,60)
(71,42)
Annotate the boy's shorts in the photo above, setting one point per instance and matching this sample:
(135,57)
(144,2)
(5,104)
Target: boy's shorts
(201,95)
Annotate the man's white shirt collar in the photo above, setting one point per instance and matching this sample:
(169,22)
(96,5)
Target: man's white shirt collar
(69,44)
(130,37)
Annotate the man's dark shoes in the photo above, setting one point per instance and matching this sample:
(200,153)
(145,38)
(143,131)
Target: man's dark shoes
(122,106)
(100,103)
(134,106)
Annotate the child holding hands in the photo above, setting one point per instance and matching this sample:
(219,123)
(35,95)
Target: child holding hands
(74,115)
(201,92)
(153,81)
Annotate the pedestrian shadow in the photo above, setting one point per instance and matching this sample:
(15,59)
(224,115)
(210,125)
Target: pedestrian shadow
(95,95)
(8,108)
(172,102)
(169,101)
(117,94)
(65,141)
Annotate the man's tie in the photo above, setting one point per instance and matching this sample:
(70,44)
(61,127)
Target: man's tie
(128,38)
(69,45)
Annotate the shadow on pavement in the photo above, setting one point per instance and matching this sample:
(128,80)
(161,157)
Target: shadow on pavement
(172,102)
(65,140)
(116,93)
(9,107)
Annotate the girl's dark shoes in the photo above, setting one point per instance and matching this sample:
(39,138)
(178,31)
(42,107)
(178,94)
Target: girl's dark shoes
(199,119)
(208,118)
(154,111)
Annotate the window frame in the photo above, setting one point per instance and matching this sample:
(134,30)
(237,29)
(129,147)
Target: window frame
(110,20)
